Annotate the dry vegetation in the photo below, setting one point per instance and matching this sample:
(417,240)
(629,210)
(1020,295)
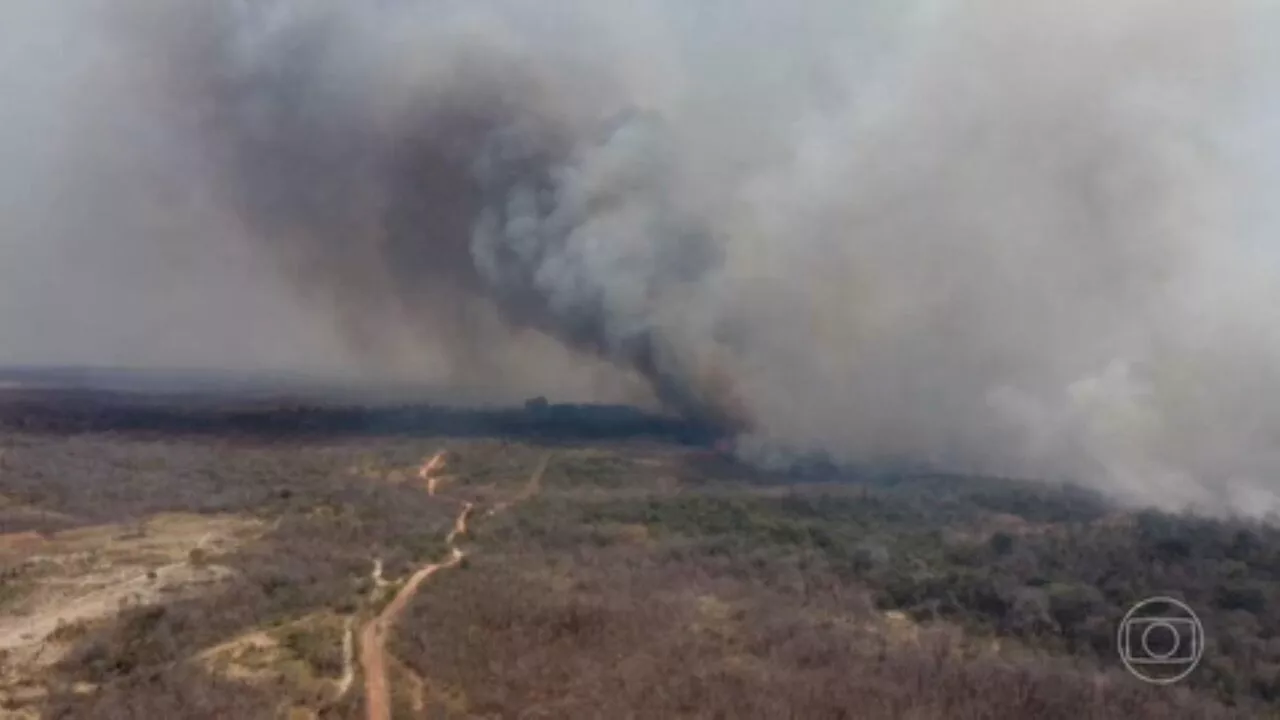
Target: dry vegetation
(220,574)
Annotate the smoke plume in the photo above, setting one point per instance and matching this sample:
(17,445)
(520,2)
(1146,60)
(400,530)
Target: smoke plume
(1009,236)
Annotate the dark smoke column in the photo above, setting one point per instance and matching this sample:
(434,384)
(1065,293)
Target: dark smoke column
(487,194)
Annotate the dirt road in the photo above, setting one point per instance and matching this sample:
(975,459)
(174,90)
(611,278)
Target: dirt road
(431,469)
(373,636)
(459,524)
(373,640)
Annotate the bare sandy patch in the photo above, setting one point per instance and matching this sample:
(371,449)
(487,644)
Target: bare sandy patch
(88,574)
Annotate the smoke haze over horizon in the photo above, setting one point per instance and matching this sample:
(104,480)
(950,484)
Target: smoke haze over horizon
(1018,237)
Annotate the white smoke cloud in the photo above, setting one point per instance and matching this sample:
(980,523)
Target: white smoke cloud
(1022,237)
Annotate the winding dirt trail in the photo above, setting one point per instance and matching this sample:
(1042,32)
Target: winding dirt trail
(373,640)
(430,471)
(459,524)
(348,661)
(373,636)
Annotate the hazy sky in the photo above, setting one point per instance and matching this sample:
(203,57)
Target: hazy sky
(1020,236)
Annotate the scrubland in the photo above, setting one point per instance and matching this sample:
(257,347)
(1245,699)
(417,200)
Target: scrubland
(219,574)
